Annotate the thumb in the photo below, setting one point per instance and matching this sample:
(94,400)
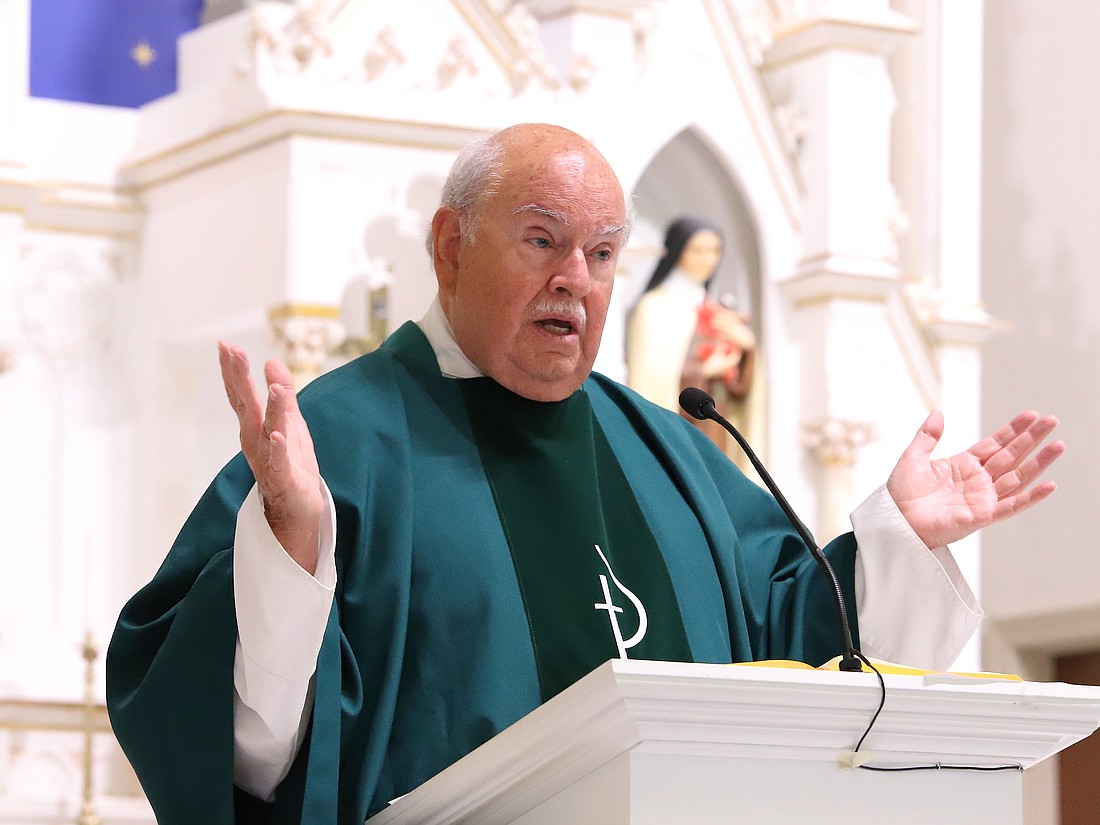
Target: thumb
(927,437)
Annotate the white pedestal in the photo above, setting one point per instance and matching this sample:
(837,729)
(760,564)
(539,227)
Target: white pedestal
(662,742)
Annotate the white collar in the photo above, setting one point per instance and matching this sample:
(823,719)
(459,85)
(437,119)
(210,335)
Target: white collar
(683,284)
(453,363)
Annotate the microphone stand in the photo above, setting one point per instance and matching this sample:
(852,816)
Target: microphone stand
(699,404)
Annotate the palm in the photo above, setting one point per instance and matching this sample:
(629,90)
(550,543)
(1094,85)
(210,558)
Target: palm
(277,445)
(945,500)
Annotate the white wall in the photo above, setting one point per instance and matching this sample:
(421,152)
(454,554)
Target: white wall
(1041,259)
(1041,251)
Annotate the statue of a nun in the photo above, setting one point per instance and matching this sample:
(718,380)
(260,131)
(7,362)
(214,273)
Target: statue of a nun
(679,335)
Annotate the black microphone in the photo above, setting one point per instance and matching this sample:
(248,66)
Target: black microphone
(699,404)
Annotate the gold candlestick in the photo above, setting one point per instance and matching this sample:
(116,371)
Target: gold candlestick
(88,816)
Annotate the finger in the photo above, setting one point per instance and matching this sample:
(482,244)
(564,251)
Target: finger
(239,387)
(291,422)
(276,477)
(227,356)
(1029,470)
(1017,504)
(298,432)
(275,416)
(276,372)
(277,376)
(278,457)
(988,446)
(1008,458)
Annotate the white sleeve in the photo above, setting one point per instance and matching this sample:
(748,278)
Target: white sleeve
(277,646)
(913,604)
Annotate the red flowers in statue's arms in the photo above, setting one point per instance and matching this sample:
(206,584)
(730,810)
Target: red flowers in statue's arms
(713,345)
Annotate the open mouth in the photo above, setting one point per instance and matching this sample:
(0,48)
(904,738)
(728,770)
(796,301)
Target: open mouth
(557,326)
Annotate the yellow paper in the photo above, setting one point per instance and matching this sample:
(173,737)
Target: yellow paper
(882,665)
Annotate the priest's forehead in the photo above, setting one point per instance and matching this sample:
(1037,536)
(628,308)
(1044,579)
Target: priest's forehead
(560,176)
(563,218)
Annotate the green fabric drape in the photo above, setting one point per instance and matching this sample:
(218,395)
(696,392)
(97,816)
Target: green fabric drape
(429,650)
(576,534)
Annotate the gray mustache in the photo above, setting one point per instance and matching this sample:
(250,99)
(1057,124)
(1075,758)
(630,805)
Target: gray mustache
(571,310)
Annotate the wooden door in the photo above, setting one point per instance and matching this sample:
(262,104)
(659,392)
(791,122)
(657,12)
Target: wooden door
(1079,765)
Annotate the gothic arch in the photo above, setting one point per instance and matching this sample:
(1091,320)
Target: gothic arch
(687,176)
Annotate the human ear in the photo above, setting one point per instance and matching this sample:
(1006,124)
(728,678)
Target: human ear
(446,245)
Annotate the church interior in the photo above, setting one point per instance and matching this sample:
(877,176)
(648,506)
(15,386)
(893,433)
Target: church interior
(907,197)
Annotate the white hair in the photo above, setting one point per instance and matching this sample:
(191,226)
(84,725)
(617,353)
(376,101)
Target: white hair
(473,179)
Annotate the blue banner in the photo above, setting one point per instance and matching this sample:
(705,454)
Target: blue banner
(113,52)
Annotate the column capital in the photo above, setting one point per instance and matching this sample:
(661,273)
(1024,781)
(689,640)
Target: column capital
(308,333)
(835,442)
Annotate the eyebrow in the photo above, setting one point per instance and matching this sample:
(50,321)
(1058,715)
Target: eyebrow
(553,214)
(614,229)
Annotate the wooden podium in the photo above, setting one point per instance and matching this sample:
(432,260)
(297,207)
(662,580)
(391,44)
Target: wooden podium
(665,742)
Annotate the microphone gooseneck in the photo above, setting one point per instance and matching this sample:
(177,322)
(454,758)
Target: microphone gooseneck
(699,404)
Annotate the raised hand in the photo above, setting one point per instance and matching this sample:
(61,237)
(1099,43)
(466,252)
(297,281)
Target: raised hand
(277,445)
(947,499)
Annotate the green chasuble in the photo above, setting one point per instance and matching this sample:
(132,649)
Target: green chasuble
(469,584)
(571,523)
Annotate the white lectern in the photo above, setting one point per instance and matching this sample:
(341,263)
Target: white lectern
(664,742)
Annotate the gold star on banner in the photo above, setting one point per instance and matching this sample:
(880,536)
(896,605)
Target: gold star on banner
(143,54)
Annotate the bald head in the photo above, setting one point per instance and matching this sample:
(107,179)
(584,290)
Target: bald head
(525,246)
(480,168)
(527,138)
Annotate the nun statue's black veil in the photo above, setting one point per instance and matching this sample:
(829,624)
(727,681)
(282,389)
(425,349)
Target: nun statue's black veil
(680,231)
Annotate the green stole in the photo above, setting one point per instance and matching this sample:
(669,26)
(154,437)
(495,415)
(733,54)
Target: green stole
(586,560)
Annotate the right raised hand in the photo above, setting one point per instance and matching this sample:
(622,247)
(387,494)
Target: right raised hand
(277,445)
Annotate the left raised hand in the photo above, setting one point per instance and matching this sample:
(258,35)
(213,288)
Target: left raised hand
(947,499)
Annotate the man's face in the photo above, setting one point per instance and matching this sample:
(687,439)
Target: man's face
(527,298)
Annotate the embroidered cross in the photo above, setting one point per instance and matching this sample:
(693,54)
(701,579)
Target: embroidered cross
(613,610)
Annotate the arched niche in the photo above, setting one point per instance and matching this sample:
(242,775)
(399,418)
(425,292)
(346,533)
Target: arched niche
(688,177)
